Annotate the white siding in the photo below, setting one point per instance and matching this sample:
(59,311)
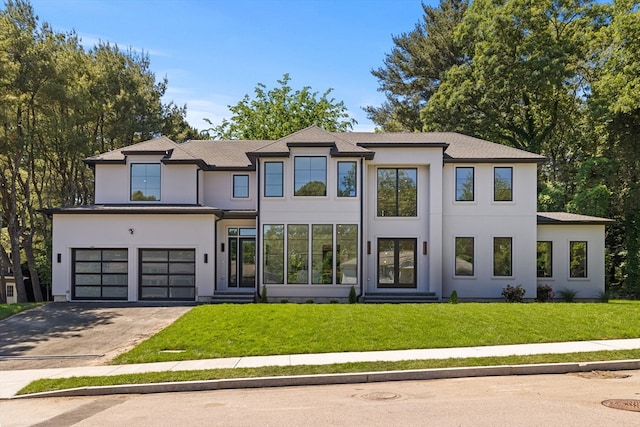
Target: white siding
(217,190)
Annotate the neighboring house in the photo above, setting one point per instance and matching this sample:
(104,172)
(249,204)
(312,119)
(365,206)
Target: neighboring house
(398,216)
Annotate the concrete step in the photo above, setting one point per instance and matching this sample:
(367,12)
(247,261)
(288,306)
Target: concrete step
(233,297)
(397,297)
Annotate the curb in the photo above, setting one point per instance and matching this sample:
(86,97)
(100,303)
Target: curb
(348,378)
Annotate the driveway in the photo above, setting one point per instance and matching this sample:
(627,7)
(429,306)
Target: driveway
(59,335)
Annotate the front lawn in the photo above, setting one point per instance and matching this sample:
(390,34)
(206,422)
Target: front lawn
(212,331)
(7,310)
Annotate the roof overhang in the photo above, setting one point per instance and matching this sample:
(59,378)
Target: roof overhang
(133,210)
(563,218)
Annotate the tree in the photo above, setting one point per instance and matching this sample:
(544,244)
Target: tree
(278,112)
(415,67)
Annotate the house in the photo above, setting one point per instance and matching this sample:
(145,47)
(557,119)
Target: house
(397,216)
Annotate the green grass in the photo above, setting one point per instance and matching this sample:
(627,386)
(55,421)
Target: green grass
(7,310)
(201,375)
(214,331)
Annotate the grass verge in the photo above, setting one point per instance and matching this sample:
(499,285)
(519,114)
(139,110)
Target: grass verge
(213,331)
(213,374)
(7,310)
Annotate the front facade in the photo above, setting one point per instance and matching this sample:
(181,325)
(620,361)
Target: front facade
(410,216)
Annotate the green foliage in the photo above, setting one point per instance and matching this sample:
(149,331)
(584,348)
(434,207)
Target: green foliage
(568,295)
(544,293)
(7,310)
(281,111)
(263,295)
(353,298)
(513,294)
(453,299)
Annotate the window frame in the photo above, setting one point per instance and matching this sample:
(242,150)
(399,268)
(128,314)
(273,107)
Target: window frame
(237,186)
(493,257)
(146,177)
(473,258)
(585,260)
(340,176)
(495,181)
(397,283)
(298,170)
(473,184)
(396,212)
(273,176)
(549,261)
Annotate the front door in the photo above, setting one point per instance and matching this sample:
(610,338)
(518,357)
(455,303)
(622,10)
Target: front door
(397,263)
(242,261)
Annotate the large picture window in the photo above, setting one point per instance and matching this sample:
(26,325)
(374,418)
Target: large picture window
(578,259)
(464,256)
(100,274)
(322,253)
(273,179)
(347,253)
(502,256)
(543,259)
(145,181)
(397,263)
(310,176)
(397,192)
(503,184)
(298,254)
(347,179)
(273,244)
(465,184)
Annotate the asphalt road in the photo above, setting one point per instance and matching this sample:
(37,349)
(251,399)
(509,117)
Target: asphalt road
(59,335)
(538,400)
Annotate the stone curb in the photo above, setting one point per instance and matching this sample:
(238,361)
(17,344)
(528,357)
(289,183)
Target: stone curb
(348,378)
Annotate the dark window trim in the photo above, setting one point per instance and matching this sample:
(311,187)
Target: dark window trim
(586,259)
(295,171)
(131,199)
(473,257)
(550,242)
(235,196)
(510,256)
(397,204)
(495,199)
(473,184)
(355,188)
(266,180)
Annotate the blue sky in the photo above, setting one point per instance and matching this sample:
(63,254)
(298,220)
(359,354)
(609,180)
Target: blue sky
(213,52)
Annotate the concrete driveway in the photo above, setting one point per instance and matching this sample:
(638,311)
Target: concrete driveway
(59,335)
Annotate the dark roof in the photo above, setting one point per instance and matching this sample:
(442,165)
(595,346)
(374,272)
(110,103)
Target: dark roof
(570,218)
(234,155)
(134,209)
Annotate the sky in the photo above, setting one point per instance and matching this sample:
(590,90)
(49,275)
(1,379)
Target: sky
(213,52)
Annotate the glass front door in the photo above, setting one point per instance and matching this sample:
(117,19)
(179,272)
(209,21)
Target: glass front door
(242,258)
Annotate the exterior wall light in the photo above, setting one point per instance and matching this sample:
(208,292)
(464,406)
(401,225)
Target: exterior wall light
(131,231)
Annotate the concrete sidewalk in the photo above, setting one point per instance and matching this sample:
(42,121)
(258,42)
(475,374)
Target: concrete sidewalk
(12,381)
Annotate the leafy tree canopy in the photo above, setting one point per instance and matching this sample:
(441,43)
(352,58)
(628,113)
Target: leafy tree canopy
(275,113)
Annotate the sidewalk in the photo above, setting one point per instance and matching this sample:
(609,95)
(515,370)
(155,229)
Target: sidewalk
(12,381)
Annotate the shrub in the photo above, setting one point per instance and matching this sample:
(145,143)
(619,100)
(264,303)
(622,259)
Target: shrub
(453,299)
(263,295)
(568,295)
(604,296)
(352,295)
(544,293)
(513,294)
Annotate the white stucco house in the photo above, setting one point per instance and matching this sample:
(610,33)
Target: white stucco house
(397,216)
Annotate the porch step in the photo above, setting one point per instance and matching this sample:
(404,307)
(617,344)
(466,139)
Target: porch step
(231,297)
(395,297)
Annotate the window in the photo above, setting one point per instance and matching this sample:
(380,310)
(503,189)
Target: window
(167,274)
(145,181)
(464,184)
(10,292)
(464,256)
(347,253)
(397,263)
(310,176)
(543,259)
(100,273)
(397,192)
(503,184)
(502,256)
(273,179)
(578,259)
(347,180)
(273,241)
(321,253)
(240,186)
(298,254)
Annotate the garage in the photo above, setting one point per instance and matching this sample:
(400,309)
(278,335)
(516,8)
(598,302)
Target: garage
(167,274)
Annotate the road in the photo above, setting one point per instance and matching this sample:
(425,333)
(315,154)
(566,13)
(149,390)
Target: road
(540,400)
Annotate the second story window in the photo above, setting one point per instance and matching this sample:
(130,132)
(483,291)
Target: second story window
(503,184)
(273,179)
(397,192)
(241,186)
(145,181)
(310,176)
(347,179)
(464,184)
